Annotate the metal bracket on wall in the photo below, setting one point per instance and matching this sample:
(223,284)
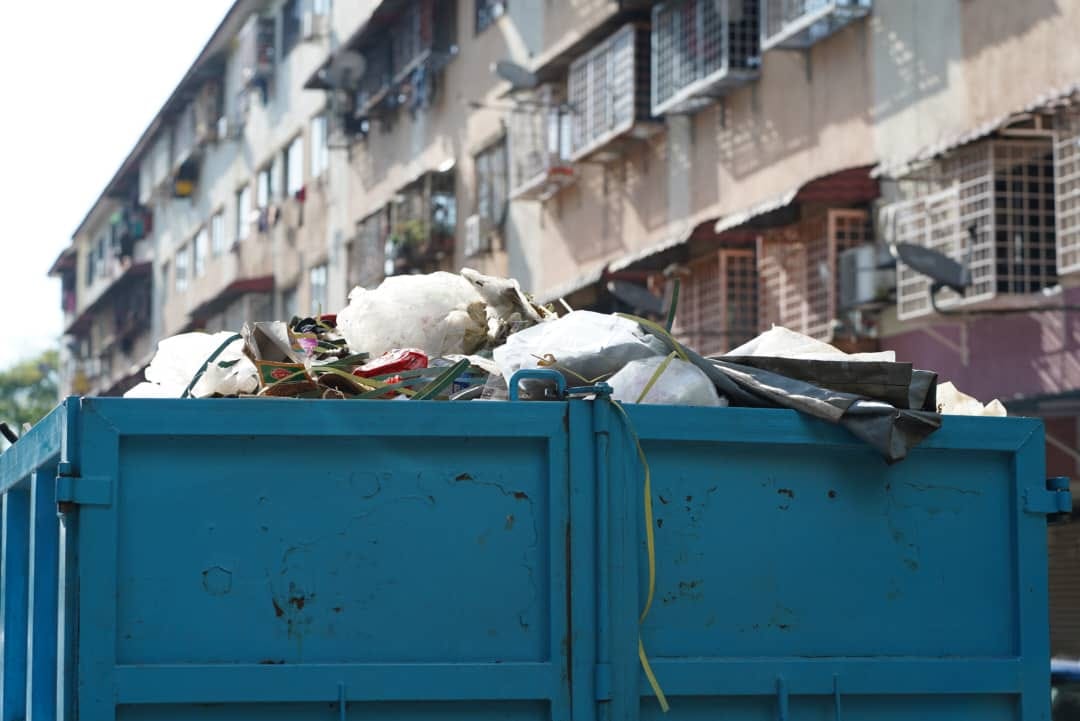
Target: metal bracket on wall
(1054,499)
(76,490)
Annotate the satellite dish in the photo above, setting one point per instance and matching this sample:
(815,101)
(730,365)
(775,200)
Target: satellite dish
(346,70)
(943,270)
(519,77)
(636,297)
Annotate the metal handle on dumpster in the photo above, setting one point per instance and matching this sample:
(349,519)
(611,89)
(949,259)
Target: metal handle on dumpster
(537,374)
(561,391)
(1060,487)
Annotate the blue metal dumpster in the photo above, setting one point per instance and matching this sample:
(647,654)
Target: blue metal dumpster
(285,559)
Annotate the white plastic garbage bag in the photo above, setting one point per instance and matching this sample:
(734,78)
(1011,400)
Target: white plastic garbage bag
(439,313)
(779,342)
(952,402)
(582,345)
(180,357)
(680,384)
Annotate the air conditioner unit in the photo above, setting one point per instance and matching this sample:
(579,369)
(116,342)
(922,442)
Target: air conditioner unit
(477,235)
(863,283)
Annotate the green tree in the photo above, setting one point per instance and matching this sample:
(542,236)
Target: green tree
(28,391)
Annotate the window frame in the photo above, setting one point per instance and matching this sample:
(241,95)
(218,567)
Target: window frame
(485,177)
(242,230)
(200,251)
(293,166)
(180,267)
(320,269)
(218,245)
(320,145)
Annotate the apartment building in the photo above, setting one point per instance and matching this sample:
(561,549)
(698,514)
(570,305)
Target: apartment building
(223,210)
(764,152)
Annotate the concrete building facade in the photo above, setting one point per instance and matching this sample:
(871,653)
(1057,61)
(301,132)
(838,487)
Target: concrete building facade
(764,152)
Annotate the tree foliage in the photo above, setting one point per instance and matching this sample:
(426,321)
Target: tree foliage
(28,391)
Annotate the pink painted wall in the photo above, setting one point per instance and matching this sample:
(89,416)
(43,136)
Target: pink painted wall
(1009,356)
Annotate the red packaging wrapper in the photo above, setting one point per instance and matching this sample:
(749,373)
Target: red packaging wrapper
(395,361)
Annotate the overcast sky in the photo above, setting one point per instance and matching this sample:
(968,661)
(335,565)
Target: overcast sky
(79,82)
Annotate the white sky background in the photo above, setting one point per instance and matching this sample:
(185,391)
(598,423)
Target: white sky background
(79,82)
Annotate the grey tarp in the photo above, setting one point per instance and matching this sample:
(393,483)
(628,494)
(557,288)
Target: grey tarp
(855,395)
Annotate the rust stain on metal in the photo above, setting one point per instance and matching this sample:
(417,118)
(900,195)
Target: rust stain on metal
(277,609)
(832,494)
(270,662)
(337,609)
(521,495)
(786,492)
(659,522)
(663,500)
(463,477)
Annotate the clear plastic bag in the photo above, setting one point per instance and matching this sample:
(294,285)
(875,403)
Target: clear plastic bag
(679,384)
(180,357)
(439,313)
(582,345)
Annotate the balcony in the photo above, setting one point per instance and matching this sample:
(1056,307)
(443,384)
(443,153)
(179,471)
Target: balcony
(609,95)
(404,43)
(799,280)
(718,303)
(799,24)
(1067,189)
(1005,190)
(701,50)
(423,224)
(538,140)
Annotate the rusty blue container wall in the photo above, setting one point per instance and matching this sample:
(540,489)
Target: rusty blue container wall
(283,559)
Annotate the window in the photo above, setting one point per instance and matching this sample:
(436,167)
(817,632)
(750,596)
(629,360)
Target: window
(243,207)
(91,262)
(487,12)
(491,183)
(182,269)
(700,49)
(289,307)
(294,166)
(217,233)
(291,20)
(609,88)
(320,151)
(276,178)
(264,188)
(199,248)
(101,268)
(317,285)
(798,24)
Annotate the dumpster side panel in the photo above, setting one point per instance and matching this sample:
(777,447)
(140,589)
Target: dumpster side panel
(797,573)
(407,572)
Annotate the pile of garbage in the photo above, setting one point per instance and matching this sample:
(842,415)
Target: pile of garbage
(446,336)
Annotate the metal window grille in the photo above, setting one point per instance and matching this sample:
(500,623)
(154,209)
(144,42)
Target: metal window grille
(701,49)
(797,265)
(1005,189)
(539,145)
(367,250)
(605,90)
(1067,187)
(801,23)
(718,302)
